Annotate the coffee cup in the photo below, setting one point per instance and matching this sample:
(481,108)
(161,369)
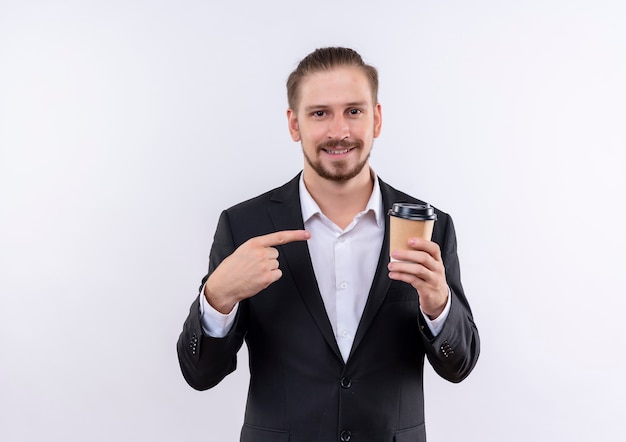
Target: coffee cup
(407,220)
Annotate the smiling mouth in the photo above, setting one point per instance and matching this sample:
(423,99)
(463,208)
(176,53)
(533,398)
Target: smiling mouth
(338,152)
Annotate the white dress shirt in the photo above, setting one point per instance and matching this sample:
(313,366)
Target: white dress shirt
(344,267)
(343,261)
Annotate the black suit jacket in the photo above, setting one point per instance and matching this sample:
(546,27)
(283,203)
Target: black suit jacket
(300,388)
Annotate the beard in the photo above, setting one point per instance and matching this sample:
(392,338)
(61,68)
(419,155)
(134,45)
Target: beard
(339,171)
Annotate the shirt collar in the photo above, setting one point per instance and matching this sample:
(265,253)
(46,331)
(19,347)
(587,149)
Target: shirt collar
(375,204)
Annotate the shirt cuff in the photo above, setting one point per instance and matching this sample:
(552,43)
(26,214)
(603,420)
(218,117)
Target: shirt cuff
(435,325)
(214,323)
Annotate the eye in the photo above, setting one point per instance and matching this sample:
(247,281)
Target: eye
(354,111)
(319,114)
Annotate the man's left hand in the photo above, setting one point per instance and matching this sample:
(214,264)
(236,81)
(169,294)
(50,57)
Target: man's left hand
(422,267)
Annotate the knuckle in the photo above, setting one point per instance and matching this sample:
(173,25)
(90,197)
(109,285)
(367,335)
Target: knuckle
(270,276)
(266,279)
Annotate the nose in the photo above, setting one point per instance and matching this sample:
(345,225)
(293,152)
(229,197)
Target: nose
(338,128)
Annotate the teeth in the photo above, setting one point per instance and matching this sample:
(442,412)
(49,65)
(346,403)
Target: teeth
(338,152)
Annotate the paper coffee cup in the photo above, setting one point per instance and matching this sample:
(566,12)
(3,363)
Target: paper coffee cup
(410,221)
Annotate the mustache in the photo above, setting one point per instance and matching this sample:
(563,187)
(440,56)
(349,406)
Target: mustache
(333,144)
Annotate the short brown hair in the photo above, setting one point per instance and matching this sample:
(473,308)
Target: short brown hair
(325,59)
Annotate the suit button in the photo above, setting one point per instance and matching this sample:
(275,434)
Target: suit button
(346,383)
(194,344)
(345,436)
(446,349)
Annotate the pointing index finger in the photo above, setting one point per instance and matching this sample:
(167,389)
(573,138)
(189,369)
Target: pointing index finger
(283,237)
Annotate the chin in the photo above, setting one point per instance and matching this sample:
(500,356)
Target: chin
(338,171)
(342,175)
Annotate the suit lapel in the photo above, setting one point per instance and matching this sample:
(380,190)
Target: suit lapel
(286,214)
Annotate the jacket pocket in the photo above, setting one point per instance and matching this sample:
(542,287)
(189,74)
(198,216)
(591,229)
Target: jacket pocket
(256,434)
(413,434)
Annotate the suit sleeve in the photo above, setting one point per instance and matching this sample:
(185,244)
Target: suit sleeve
(453,353)
(205,360)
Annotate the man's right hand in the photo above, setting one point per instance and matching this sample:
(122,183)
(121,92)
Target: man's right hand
(252,267)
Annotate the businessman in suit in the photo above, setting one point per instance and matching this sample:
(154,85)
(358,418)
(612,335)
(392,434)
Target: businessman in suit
(336,331)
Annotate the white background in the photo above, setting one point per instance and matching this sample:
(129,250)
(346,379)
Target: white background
(127,126)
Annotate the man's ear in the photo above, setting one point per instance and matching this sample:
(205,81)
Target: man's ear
(292,121)
(378,119)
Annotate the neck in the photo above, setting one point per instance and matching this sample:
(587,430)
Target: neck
(340,201)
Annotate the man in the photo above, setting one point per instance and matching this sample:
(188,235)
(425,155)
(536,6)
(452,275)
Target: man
(336,331)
